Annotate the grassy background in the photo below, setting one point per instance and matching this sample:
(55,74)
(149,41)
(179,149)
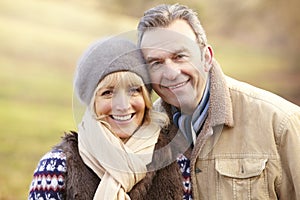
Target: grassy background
(41,42)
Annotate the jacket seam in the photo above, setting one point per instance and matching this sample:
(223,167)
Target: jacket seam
(281,129)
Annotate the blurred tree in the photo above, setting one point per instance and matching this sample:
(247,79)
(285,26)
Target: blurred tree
(274,25)
(288,29)
(136,8)
(269,25)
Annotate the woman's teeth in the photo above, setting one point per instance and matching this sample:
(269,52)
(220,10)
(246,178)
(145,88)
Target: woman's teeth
(122,117)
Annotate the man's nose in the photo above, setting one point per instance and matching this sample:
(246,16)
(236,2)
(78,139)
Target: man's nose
(171,70)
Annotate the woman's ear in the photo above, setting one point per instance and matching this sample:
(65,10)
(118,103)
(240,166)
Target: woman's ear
(208,56)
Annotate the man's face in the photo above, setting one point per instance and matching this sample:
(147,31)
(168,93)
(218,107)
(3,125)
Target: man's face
(176,65)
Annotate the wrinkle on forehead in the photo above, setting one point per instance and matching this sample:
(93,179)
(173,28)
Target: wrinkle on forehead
(159,42)
(162,37)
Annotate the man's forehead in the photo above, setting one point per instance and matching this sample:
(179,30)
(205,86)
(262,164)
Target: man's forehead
(162,43)
(163,38)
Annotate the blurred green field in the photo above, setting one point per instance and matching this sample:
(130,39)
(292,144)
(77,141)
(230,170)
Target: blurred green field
(41,42)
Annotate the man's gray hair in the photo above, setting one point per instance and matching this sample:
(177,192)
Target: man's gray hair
(163,15)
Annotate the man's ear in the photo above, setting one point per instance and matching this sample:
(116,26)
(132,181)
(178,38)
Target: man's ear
(208,56)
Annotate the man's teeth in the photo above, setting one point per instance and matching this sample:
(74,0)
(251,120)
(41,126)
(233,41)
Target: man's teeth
(122,117)
(177,86)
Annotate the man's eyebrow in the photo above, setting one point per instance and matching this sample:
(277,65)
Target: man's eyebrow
(151,59)
(181,50)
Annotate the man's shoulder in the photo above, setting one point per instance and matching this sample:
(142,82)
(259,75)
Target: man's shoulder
(242,92)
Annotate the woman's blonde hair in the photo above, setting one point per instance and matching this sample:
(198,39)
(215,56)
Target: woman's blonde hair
(126,77)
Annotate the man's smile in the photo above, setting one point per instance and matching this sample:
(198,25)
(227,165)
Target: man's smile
(172,87)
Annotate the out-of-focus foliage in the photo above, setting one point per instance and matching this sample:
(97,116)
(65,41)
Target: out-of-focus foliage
(267,23)
(288,26)
(137,7)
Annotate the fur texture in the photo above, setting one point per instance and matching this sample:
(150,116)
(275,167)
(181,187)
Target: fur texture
(82,182)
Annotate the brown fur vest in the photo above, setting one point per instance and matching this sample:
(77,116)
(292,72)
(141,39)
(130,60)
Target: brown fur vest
(82,182)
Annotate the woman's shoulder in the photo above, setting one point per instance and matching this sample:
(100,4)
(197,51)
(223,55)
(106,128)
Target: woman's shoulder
(69,140)
(49,176)
(51,169)
(52,161)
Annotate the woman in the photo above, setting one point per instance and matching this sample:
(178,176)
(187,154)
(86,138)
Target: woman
(118,152)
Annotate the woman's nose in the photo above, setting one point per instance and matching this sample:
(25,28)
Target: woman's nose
(121,102)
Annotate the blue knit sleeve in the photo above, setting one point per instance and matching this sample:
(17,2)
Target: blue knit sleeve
(49,177)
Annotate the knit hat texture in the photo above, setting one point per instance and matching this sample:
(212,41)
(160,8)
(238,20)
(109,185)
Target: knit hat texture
(105,57)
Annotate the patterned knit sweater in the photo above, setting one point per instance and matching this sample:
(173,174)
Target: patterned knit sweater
(49,177)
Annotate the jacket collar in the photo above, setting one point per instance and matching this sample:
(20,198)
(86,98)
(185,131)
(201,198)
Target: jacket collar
(220,111)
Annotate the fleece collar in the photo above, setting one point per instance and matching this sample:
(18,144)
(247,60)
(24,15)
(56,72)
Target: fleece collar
(220,111)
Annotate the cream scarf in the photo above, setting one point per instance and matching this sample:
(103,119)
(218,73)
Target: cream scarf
(119,166)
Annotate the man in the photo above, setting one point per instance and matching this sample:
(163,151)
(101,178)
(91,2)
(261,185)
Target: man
(244,141)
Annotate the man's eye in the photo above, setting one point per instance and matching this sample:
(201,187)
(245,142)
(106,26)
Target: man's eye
(180,57)
(155,64)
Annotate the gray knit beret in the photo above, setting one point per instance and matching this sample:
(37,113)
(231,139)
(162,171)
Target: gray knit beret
(104,57)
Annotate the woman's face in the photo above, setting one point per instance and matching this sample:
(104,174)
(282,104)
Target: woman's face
(121,104)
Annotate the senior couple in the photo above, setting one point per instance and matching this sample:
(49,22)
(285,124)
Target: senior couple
(208,136)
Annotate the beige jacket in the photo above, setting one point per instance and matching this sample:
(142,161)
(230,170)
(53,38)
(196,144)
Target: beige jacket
(249,147)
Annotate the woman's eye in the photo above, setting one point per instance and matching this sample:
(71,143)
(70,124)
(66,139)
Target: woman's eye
(107,93)
(135,90)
